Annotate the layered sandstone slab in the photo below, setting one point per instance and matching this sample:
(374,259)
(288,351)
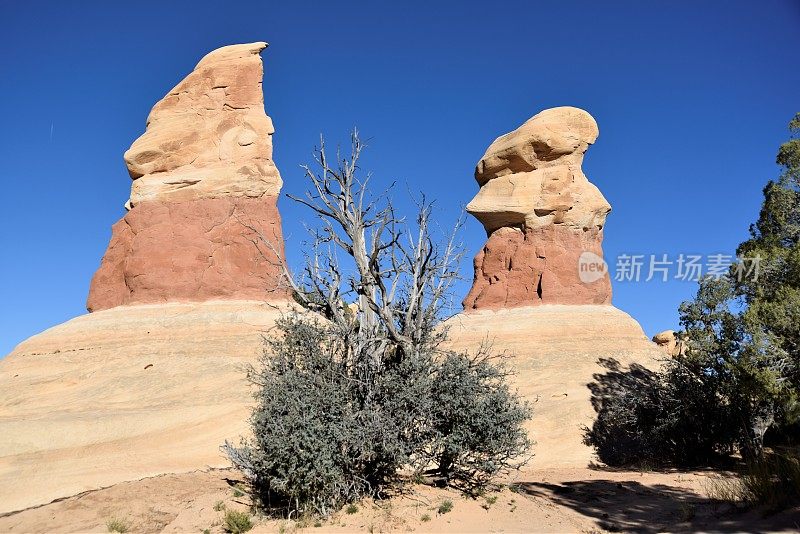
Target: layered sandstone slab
(554,352)
(541,214)
(203,222)
(125,393)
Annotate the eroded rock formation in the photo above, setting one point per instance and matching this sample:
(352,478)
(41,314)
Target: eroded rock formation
(204,193)
(669,342)
(541,214)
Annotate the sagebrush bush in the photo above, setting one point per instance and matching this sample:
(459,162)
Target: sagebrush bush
(476,419)
(347,402)
(669,416)
(326,434)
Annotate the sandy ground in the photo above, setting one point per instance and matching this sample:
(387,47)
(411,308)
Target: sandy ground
(553,500)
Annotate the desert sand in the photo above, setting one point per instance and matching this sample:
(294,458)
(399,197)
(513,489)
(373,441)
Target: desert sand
(548,500)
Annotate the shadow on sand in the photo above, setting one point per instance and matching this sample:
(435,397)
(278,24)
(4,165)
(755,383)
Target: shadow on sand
(626,506)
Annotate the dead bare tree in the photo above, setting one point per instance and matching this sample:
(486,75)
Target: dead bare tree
(372,390)
(400,275)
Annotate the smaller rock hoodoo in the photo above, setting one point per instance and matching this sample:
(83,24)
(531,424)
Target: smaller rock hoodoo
(541,214)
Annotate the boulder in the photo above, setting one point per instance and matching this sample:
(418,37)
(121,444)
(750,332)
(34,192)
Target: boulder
(209,137)
(669,342)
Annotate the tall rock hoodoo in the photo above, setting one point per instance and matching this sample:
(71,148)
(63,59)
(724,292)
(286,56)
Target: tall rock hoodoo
(541,214)
(152,380)
(204,187)
(529,298)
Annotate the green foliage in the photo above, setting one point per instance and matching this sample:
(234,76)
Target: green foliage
(445,507)
(219,506)
(425,518)
(647,418)
(237,522)
(327,431)
(351,509)
(740,376)
(477,421)
(117,525)
(348,401)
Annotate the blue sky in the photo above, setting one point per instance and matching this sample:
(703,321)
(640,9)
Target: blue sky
(692,99)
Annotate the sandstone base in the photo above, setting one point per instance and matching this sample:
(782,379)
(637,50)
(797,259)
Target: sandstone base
(125,393)
(554,350)
(538,266)
(197,250)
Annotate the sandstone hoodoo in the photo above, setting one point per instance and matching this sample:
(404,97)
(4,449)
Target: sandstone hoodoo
(204,188)
(541,214)
(545,219)
(152,380)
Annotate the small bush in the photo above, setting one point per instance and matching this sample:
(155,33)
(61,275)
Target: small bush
(348,402)
(323,437)
(425,518)
(477,420)
(647,418)
(773,481)
(237,522)
(446,506)
(117,525)
(351,509)
(219,506)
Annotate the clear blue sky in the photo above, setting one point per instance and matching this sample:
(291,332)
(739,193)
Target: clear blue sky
(692,99)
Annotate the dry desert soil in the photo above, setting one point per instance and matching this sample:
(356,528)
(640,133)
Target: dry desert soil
(550,500)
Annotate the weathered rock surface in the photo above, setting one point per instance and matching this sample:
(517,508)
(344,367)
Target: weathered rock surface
(210,136)
(554,352)
(123,394)
(540,213)
(203,222)
(198,250)
(669,342)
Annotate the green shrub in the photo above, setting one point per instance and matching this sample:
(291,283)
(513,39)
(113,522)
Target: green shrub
(648,418)
(351,509)
(237,522)
(738,385)
(446,506)
(324,437)
(117,525)
(477,420)
(348,401)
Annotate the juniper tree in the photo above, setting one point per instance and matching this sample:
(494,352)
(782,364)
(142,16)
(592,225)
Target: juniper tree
(363,388)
